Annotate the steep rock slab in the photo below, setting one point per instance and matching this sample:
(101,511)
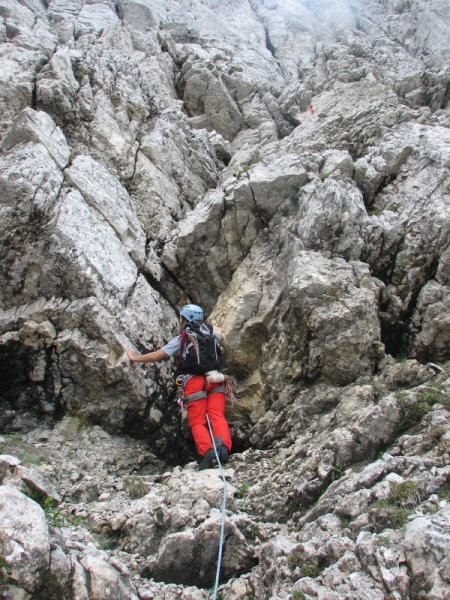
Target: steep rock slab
(57,87)
(103,265)
(216,236)
(105,195)
(30,184)
(407,239)
(38,127)
(425,37)
(97,16)
(204,93)
(27,44)
(77,247)
(331,216)
(182,153)
(295,317)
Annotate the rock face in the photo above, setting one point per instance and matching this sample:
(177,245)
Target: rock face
(286,165)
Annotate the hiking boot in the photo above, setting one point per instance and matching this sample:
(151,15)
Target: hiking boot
(222,451)
(207,460)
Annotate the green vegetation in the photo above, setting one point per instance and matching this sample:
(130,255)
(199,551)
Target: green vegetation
(159,515)
(412,411)
(294,560)
(345,522)
(336,471)
(243,491)
(434,394)
(399,517)
(28,455)
(415,406)
(254,159)
(54,515)
(58,518)
(397,507)
(324,175)
(444,446)
(444,492)
(307,567)
(381,540)
(400,358)
(254,530)
(293,193)
(108,540)
(436,432)
(4,577)
(406,493)
(430,509)
(298,595)
(396,515)
(374,212)
(234,69)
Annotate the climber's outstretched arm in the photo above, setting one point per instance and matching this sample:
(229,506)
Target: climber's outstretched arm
(155,356)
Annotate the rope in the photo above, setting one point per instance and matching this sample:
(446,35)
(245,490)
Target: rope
(224,504)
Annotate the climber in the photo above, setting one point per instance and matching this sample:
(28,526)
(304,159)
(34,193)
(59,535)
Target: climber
(203,390)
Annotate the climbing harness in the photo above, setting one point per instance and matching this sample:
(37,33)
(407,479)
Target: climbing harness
(226,388)
(224,506)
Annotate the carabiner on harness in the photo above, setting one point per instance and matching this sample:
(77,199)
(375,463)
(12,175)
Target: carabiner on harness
(180,398)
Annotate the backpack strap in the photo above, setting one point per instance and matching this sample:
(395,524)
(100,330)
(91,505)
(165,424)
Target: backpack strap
(183,336)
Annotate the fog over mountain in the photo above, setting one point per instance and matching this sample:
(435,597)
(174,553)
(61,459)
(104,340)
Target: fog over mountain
(284,164)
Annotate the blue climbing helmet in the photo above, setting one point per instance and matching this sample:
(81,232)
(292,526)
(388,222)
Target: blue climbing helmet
(192,312)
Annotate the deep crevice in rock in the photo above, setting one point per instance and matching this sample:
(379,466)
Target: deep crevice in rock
(270,47)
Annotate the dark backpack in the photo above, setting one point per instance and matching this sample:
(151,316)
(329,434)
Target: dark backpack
(201,348)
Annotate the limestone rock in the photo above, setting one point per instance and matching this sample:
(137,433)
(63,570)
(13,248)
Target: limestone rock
(25,536)
(103,193)
(205,94)
(57,87)
(284,164)
(38,127)
(430,567)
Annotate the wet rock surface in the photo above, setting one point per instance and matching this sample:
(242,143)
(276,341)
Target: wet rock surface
(286,165)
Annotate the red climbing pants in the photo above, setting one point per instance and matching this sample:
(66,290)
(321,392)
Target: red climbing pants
(214,407)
